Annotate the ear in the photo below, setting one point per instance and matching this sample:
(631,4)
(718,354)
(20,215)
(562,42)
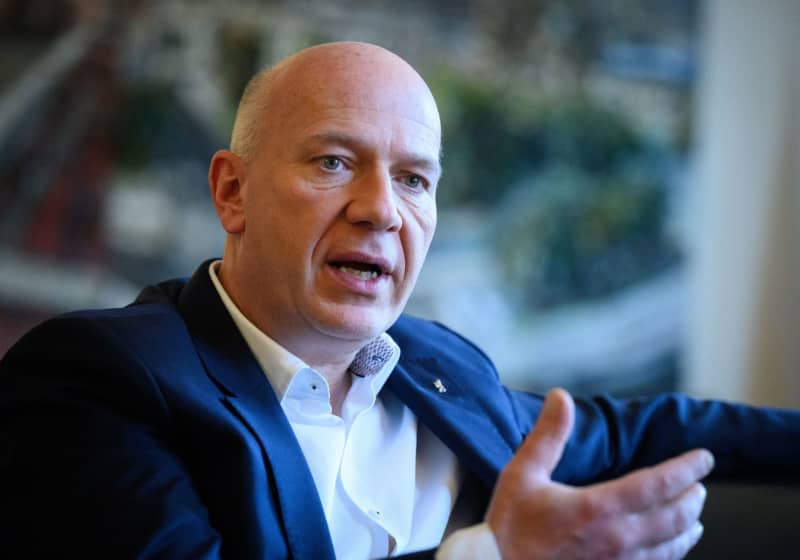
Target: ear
(226,176)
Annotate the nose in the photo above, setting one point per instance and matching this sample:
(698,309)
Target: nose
(374,202)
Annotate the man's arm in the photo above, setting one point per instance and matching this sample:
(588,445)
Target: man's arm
(611,437)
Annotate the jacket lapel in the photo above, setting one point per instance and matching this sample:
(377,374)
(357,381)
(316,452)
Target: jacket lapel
(465,422)
(250,397)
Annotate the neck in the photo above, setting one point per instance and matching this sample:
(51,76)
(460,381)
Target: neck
(332,362)
(329,356)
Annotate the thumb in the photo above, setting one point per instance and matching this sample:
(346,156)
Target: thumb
(543,447)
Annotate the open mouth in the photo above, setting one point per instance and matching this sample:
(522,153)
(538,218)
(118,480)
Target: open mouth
(361,270)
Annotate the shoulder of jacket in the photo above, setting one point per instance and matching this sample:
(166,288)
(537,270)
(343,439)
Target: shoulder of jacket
(421,339)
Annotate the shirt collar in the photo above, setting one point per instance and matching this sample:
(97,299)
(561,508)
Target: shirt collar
(376,360)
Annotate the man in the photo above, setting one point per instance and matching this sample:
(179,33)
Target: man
(277,405)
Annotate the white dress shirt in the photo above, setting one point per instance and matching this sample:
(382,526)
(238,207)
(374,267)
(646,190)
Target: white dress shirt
(386,484)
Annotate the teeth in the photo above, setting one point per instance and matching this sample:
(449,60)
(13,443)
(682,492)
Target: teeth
(361,274)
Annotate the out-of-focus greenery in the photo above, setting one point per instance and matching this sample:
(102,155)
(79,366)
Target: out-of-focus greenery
(576,195)
(567,235)
(142,118)
(153,126)
(240,50)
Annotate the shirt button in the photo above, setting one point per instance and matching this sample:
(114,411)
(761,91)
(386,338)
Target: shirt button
(313,386)
(375,513)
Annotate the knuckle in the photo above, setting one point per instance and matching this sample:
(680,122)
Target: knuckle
(663,483)
(667,484)
(681,519)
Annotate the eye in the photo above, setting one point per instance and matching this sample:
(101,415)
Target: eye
(415,182)
(331,163)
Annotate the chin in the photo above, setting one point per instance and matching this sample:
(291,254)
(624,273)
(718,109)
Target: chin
(354,324)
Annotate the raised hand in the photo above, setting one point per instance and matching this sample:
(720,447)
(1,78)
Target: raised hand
(651,513)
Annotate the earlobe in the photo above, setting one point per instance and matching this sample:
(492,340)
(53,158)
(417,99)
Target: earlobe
(226,180)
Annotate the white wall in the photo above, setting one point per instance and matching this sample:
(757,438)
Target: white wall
(744,331)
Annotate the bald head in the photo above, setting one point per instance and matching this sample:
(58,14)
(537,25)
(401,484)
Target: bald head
(346,74)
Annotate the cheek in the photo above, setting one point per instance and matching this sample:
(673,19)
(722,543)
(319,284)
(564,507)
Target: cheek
(430,226)
(295,209)
(420,226)
(425,216)
(305,221)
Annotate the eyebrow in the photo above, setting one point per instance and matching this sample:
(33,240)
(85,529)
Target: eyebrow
(348,140)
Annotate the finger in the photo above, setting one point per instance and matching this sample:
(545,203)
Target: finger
(662,524)
(649,487)
(674,549)
(543,447)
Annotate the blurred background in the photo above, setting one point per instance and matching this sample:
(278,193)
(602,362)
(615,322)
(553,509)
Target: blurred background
(620,209)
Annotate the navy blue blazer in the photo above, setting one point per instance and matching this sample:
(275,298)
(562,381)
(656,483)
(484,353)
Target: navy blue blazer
(151,432)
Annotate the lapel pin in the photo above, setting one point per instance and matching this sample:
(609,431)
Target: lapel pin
(440,386)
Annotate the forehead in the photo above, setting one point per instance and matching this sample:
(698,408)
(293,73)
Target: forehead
(403,121)
(355,78)
(377,103)
(380,101)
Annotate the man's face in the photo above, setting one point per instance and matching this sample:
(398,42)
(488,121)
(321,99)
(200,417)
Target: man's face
(340,211)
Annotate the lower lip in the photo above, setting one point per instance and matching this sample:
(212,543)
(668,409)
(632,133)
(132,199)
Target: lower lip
(362,287)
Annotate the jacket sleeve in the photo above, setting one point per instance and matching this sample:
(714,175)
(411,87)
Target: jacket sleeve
(614,436)
(85,458)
